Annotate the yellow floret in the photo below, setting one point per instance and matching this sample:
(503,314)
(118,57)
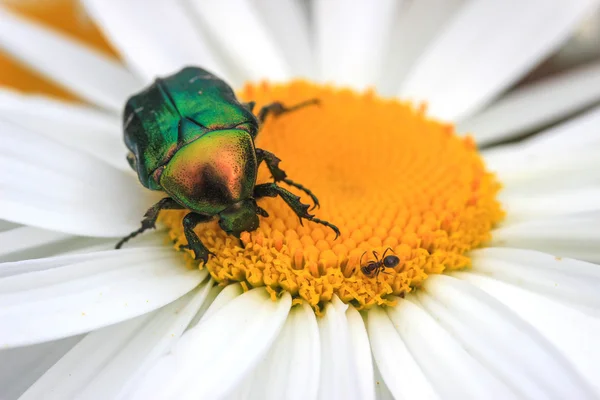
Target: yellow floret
(385,174)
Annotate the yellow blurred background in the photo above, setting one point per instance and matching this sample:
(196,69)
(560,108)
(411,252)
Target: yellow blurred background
(66,16)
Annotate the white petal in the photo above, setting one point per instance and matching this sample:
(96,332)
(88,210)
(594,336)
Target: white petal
(381,390)
(291,370)
(288,26)
(416,24)
(568,202)
(42,264)
(560,159)
(351,39)
(15,259)
(576,237)
(535,105)
(562,145)
(21,367)
(573,333)
(361,351)
(338,374)
(552,173)
(153,48)
(400,371)
(44,109)
(222,350)
(154,239)
(570,281)
(448,366)
(73,244)
(238,31)
(79,297)
(156,339)
(106,361)
(95,132)
(501,341)
(77,68)
(55,187)
(7,225)
(71,373)
(486,47)
(224,297)
(26,237)
(576,133)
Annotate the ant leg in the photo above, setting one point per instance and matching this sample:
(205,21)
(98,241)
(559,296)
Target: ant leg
(293,201)
(149,221)
(279,175)
(277,108)
(376,255)
(189,223)
(361,257)
(385,252)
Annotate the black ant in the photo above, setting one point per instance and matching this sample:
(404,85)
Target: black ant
(373,268)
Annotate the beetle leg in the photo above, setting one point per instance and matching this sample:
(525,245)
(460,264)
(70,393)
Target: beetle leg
(250,105)
(279,175)
(293,201)
(189,223)
(277,108)
(149,221)
(262,212)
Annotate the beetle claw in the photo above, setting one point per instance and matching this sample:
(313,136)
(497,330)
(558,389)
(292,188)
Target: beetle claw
(199,254)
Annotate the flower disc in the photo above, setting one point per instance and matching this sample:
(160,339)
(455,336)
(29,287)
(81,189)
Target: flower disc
(385,174)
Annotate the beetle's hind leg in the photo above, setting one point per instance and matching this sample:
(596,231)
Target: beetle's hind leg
(149,221)
(277,108)
(279,175)
(189,223)
(293,201)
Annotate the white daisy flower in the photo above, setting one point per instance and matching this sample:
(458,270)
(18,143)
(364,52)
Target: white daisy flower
(495,293)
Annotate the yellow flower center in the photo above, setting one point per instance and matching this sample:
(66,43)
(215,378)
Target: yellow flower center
(386,175)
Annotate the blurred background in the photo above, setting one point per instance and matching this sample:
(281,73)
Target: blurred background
(69,17)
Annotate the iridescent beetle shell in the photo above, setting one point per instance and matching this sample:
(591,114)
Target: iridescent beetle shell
(185,133)
(190,137)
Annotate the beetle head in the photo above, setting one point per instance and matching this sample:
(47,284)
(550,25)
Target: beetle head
(239,217)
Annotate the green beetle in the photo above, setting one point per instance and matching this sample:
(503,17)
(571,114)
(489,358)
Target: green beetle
(190,137)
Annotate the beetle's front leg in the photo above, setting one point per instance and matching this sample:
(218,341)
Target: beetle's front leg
(277,108)
(149,221)
(189,223)
(279,175)
(293,201)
